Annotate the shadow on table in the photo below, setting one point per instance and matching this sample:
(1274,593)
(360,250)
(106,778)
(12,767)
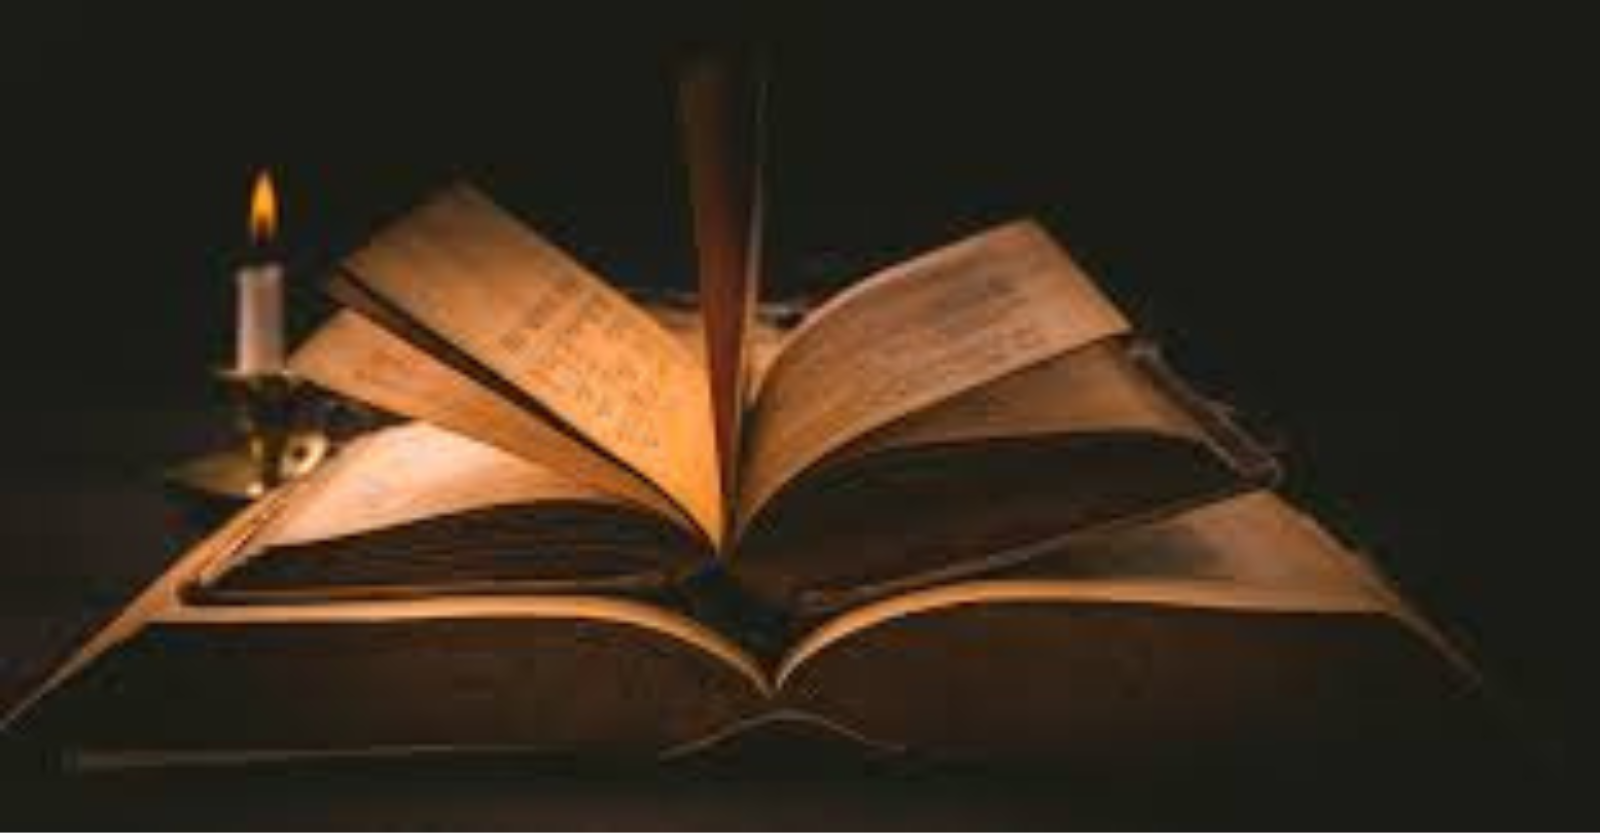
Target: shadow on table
(820,790)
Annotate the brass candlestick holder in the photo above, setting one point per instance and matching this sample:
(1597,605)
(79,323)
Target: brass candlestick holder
(281,422)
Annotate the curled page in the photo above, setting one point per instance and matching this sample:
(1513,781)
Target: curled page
(721,101)
(356,358)
(461,272)
(913,336)
(409,473)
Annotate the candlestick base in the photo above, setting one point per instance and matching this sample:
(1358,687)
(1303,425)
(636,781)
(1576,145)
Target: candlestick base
(282,429)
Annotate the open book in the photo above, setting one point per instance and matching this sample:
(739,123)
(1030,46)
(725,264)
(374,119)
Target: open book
(972,518)
(987,387)
(1235,631)
(959,509)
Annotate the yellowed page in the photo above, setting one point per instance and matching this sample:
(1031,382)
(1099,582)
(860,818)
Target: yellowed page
(410,473)
(913,336)
(510,608)
(1084,391)
(1250,553)
(359,359)
(472,275)
(762,340)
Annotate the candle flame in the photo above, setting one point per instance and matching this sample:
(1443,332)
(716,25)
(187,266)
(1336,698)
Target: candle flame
(263,209)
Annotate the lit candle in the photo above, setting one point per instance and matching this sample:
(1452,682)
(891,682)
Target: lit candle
(260,345)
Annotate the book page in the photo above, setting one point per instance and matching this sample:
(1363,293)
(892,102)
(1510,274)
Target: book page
(409,473)
(915,335)
(761,343)
(1251,552)
(1093,390)
(471,275)
(358,359)
(721,103)
(1121,635)
(536,675)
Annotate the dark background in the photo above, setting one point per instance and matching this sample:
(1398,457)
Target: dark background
(1372,232)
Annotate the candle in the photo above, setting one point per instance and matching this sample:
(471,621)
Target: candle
(260,332)
(260,318)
